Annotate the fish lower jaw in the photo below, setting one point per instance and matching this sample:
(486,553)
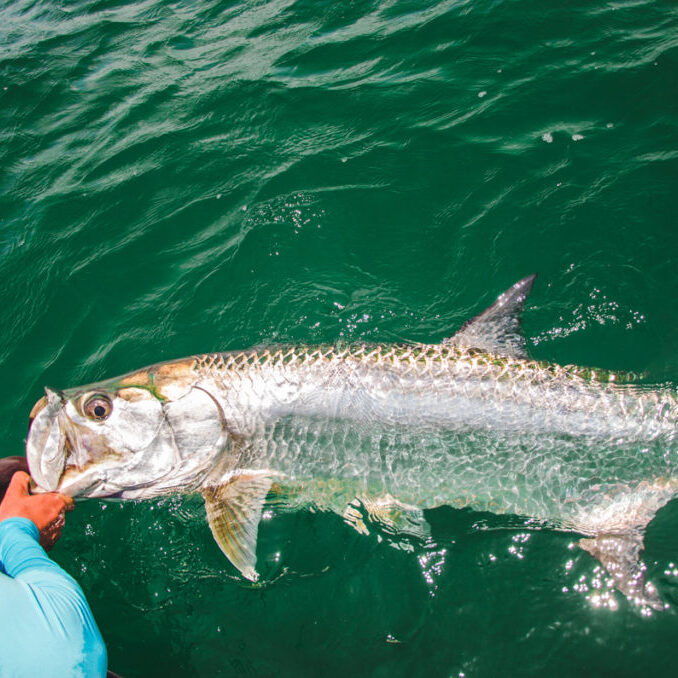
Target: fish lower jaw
(75,482)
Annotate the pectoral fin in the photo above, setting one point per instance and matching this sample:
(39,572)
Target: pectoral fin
(234,511)
(618,554)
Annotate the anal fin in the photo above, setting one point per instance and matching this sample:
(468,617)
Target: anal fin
(618,554)
(234,510)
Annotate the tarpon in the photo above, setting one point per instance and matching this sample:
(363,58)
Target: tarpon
(381,432)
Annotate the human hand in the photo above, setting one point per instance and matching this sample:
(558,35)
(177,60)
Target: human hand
(8,467)
(47,511)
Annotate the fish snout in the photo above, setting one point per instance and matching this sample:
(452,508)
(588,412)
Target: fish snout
(46,442)
(40,405)
(50,397)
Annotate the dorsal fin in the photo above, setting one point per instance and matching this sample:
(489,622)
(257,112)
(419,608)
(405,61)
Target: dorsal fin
(497,329)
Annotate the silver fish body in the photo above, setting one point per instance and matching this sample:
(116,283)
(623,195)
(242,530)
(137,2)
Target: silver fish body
(393,429)
(436,425)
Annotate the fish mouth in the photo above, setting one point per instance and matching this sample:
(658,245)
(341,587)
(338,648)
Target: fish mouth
(47,445)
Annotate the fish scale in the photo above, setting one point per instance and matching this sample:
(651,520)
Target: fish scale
(553,393)
(433,359)
(582,422)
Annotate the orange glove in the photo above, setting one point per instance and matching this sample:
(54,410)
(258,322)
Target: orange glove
(46,511)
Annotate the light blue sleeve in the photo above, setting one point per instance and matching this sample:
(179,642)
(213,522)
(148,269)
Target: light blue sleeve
(46,626)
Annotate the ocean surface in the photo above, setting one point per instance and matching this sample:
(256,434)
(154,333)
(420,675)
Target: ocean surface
(184,177)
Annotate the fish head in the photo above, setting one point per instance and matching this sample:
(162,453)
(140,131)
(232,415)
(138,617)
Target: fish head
(142,435)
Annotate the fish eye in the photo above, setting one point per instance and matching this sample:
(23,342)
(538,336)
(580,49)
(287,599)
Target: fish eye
(98,407)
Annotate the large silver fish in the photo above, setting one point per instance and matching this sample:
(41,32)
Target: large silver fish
(377,430)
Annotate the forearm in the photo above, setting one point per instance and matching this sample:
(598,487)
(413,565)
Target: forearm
(50,602)
(20,549)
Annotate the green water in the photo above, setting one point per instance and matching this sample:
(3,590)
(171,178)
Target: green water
(195,176)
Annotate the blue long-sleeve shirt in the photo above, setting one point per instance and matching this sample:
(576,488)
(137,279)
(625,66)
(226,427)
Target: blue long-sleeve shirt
(46,626)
